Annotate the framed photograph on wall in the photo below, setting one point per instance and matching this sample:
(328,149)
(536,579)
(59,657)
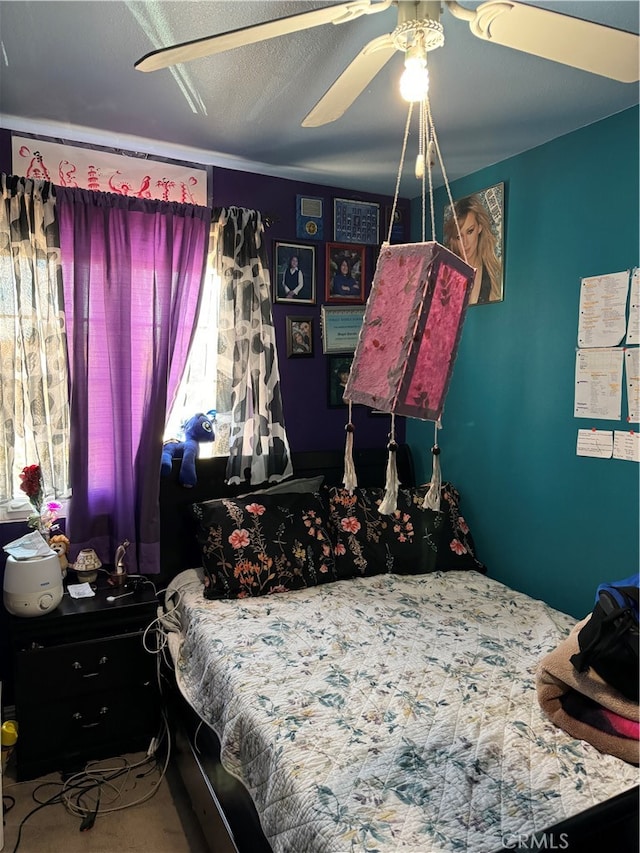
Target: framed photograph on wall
(294,273)
(340,328)
(397,227)
(344,273)
(299,337)
(479,220)
(356,221)
(338,368)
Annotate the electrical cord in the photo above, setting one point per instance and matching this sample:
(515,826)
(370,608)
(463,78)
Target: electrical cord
(91,793)
(141,580)
(167,620)
(51,801)
(84,794)
(95,775)
(11,801)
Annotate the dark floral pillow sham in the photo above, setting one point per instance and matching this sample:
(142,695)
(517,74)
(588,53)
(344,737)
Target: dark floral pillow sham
(369,543)
(412,540)
(262,544)
(456,548)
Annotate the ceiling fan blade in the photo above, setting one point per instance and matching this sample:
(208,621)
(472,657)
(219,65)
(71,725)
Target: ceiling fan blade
(571,41)
(210,45)
(352,82)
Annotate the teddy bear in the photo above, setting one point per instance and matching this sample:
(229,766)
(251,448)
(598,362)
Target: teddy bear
(196,430)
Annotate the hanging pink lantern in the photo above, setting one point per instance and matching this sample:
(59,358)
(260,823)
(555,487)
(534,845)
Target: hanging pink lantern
(411,330)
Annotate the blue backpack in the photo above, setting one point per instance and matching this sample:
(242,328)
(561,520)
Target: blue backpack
(608,642)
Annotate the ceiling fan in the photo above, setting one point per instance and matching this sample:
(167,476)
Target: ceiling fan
(595,48)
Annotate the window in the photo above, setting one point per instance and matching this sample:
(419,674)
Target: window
(198,387)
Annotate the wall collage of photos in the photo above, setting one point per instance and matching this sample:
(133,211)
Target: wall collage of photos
(473,230)
(348,256)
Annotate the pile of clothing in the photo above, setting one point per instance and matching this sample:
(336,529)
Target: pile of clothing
(588,685)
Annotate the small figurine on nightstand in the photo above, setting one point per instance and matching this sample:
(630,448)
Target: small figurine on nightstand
(60,544)
(119,576)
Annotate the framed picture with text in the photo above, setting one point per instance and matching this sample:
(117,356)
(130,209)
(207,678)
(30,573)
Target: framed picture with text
(340,328)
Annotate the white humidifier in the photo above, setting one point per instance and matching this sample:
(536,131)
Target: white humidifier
(33,586)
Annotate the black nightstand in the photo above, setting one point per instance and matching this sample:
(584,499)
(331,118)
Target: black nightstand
(85,687)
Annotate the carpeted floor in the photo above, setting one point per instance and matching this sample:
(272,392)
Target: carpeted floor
(164,823)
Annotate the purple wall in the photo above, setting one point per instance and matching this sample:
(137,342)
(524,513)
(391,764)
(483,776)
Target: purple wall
(310,423)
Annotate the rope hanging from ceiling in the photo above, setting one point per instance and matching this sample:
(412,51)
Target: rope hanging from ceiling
(412,322)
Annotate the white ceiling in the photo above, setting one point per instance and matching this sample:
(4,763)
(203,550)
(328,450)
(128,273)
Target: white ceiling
(67,71)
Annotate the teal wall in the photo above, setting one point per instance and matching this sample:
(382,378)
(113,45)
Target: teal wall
(545,521)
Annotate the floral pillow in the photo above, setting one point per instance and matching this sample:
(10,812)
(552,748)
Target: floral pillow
(369,543)
(411,540)
(262,544)
(456,548)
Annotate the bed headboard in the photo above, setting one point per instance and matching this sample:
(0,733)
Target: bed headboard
(178,546)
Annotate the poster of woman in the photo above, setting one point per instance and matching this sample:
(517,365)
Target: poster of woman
(475,234)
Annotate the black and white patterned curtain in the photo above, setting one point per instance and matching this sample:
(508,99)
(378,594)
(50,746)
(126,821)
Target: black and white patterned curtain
(34,385)
(248,383)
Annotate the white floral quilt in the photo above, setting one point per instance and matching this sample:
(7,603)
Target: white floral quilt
(390,713)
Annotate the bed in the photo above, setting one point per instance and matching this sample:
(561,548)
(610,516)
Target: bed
(390,708)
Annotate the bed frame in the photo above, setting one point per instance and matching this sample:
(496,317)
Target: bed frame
(222,805)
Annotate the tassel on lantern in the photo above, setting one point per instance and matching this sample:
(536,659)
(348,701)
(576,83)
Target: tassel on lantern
(390,501)
(432,498)
(349,481)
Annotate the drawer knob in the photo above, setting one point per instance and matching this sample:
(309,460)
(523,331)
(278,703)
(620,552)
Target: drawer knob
(101,662)
(78,718)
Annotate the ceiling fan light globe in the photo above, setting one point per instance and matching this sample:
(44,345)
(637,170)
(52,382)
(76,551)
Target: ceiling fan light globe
(414,83)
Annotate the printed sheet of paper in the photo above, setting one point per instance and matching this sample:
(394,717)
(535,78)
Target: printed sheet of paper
(626,445)
(598,391)
(633,327)
(632,374)
(595,442)
(603,310)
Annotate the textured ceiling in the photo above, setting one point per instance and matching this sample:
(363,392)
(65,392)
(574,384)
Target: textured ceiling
(67,71)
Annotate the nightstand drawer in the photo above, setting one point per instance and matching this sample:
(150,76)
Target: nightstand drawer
(88,727)
(77,668)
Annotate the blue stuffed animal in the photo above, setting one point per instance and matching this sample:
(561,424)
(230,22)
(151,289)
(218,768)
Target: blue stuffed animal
(197,429)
